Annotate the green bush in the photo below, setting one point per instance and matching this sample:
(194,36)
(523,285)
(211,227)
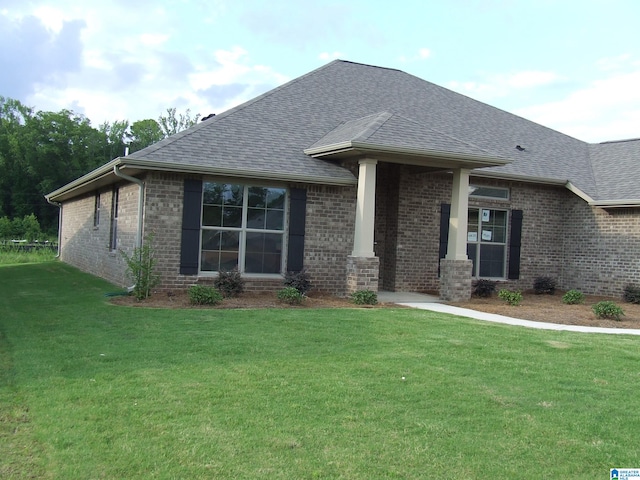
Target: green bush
(290,295)
(204,295)
(364,297)
(512,297)
(141,268)
(631,294)
(298,280)
(484,288)
(545,285)
(573,297)
(607,309)
(229,283)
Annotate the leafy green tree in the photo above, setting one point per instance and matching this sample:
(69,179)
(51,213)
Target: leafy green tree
(30,228)
(144,133)
(5,228)
(172,123)
(116,138)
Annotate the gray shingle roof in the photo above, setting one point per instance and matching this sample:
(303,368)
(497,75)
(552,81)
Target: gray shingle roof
(267,135)
(616,165)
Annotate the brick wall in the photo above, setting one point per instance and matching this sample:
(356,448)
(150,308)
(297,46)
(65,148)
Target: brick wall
(87,246)
(602,248)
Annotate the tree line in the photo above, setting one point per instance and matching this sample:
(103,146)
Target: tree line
(42,151)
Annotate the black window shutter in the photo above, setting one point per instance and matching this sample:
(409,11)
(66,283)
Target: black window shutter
(445,214)
(191,209)
(514,244)
(297,220)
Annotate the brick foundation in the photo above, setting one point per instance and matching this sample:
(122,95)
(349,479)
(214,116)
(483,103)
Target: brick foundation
(362,273)
(455,280)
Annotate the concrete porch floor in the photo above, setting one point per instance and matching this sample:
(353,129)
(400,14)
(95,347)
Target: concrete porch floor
(406,297)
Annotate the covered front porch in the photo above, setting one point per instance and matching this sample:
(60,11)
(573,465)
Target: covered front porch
(395,216)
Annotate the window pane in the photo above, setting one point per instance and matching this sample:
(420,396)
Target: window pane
(472,225)
(212,194)
(256,218)
(212,215)
(232,216)
(275,220)
(263,252)
(219,250)
(257,197)
(275,198)
(472,249)
(233,195)
(490,192)
(491,260)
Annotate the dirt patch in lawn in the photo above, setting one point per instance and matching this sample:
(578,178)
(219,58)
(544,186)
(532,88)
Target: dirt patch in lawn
(540,308)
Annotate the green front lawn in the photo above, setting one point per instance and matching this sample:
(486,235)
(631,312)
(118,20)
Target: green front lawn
(89,390)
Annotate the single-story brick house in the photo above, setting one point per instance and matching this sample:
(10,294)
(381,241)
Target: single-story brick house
(366,177)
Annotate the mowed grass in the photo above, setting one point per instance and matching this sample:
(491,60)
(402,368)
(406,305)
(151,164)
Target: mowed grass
(89,390)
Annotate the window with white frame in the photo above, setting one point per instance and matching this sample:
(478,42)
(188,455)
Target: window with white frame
(96,211)
(487,241)
(494,193)
(113,237)
(242,227)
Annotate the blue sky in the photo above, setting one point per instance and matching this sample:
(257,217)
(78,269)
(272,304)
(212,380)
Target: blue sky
(573,66)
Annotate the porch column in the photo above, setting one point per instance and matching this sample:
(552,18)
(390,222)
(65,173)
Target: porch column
(362,265)
(455,268)
(365,209)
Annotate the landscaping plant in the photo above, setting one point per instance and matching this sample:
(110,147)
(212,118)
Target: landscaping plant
(631,294)
(484,288)
(573,297)
(204,295)
(298,280)
(290,295)
(141,268)
(544,285)
(364,297)
(607,309)
(230,283)
(512,297)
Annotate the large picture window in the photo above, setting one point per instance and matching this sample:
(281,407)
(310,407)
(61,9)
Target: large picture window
(242,227)
(487,242)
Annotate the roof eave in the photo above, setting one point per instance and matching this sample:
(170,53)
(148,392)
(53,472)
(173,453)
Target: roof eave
(622,203)
(85,183)
(359,149)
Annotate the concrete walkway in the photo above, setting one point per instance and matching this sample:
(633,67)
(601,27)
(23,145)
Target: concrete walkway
(429,302)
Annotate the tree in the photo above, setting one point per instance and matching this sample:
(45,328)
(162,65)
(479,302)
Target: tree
(144,133)
(116,138)
(172,124)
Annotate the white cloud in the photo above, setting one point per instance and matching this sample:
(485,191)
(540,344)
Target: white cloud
(421,54)
(605,109)
(502,85)
(330,56)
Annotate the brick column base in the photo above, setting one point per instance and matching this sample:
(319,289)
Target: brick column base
(455,280)
(362,273)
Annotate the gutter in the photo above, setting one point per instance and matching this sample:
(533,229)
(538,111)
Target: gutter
(59,205)
(140,183)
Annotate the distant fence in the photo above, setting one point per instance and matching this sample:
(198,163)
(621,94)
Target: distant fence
(23,246)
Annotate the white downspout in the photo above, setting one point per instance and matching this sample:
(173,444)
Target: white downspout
(59,205)
(140,184)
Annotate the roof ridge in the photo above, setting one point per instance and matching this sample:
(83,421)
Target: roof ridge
(221,116)
(374,126)
(624,140)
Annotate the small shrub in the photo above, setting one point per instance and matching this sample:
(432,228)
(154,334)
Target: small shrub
(290,295)
(298,280)
(545,285)
(484,288)
(364,297)
(631,294)
(573,297)
(203,295)
(229,283)
(510,296)
(141,267)
(607,309)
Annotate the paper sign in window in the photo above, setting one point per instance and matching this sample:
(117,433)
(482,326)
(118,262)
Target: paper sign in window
(486,214)
(486,235)
(472,237)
